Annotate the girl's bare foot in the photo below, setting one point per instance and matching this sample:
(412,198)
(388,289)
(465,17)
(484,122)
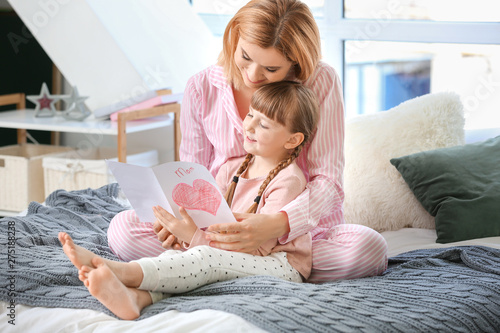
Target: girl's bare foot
(78,255)
(126,303)
(129,273)
(83,273)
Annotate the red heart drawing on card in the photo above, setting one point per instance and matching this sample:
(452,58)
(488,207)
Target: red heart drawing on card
(201,196)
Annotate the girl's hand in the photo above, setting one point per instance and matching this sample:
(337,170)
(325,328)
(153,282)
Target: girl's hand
(167,239)
(182,229)
(249,233)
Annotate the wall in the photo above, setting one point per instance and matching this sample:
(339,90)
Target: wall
(25,66)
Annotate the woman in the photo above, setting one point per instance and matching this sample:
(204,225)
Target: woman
(268,41)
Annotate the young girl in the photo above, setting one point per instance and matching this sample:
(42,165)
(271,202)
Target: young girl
(282,118)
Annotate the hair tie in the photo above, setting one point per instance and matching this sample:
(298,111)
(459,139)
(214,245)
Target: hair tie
(235,179)
(257,199)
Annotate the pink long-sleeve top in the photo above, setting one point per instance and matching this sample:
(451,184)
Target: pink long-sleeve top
(212,133)
(285,187)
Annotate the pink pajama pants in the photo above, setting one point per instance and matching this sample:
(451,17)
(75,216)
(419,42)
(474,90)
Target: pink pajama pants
(348,251)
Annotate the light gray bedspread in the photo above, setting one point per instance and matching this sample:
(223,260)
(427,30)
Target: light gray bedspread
(442,290)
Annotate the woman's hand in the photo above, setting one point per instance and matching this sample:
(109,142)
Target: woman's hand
(249,233)
(182,229)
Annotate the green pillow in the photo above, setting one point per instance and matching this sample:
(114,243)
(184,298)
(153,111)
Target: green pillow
(459,186)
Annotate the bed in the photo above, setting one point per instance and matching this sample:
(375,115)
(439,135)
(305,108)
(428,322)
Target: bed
(437,280)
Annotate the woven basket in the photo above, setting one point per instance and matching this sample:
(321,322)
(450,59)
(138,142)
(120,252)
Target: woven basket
(21,174)
(82,169)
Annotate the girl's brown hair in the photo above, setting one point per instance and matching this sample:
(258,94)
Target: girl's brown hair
(292,105)
(286,25)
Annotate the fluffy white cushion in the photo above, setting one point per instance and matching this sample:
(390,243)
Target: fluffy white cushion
(375,193)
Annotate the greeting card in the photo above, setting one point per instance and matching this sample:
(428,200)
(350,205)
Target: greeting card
(173,185)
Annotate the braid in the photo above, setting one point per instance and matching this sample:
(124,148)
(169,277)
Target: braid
(232,186)
(281,165)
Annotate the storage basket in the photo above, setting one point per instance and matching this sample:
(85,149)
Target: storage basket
(82,169)
(21,174)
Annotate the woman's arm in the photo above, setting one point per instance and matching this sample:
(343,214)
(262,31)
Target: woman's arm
(195,146)
(324,195)
(254,230)
(249,233)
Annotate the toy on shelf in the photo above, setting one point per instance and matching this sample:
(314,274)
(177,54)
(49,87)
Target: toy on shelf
(45,104)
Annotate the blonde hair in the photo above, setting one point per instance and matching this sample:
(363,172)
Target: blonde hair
(286,25)
(294,106)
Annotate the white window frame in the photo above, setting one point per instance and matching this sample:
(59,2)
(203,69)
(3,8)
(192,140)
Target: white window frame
(336,30)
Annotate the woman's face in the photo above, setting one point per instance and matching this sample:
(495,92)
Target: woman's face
(260,66)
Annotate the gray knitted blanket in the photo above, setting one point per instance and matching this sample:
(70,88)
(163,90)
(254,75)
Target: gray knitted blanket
(447,290)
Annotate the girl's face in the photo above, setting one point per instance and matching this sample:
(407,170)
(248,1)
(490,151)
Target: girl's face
(260,66)
(267,138)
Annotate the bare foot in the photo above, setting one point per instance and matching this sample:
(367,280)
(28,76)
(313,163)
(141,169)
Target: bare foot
(126,303)
(83,273)
(78,255)
(85,261)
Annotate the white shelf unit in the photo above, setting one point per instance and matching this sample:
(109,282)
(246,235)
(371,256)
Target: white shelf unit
(128,122)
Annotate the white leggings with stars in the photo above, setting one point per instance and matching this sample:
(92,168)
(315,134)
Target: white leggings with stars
(177,271)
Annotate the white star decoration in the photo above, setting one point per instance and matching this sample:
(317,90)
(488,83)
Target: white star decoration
(45,104)
(75,108)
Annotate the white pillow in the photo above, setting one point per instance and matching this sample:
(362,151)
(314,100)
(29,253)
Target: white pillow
(375,193)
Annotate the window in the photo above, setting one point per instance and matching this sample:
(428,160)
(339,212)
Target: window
(394,50)
(377,80)
(385,74)
(388,51)
(433,10)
